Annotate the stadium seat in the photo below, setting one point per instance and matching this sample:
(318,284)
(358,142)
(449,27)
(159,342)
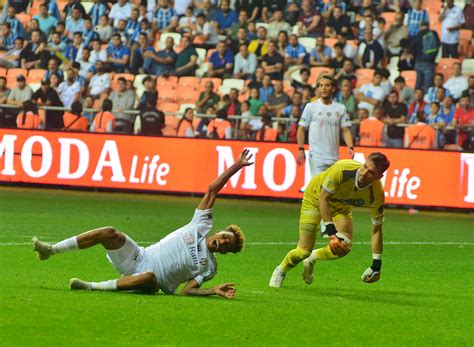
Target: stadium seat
(34,86)
(138,82)
(201,54)
(330,42)
(468,66)
(61,5)
(243,97)
(217,82)
(183,90)
(318,70)
(24,19)
(168,130)
(444,67)
(307,42)
(17,71)
(410,77)
(465,43)
(170,82)
(35,75)
(188,81)
(189,97)
(432,6)
(87,5)
(167,95)
(389,18)
(169,107)
(171,121)
(364,76)
(3,72)
(223,90)
(233,83)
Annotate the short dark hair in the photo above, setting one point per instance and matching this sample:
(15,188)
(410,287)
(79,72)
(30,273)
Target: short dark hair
(121,79)
(399,79)
(379,160)
(107,105)
(76,108)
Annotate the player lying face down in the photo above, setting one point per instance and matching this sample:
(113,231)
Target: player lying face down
(329,197)
(183,256)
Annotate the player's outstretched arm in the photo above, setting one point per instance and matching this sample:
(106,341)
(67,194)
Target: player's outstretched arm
(372,274)
(225,290)
(219,183)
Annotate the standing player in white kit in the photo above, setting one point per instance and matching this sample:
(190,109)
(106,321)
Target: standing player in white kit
(185,255)
(326,119)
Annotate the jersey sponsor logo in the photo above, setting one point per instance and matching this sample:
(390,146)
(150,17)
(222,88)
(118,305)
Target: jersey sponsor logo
(194,256)
(188,238)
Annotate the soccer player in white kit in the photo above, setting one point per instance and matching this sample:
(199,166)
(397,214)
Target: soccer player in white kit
(326,119)
(183,256)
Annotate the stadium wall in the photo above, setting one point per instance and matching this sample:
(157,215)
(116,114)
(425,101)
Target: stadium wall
(415,177)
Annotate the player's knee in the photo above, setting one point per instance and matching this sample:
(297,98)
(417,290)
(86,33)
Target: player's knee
(150,282)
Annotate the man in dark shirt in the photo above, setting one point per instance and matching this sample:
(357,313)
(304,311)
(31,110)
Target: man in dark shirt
(273,62)
(277,100)
(186,60)
(31,55)
(395,113)
(47,96)
(256,81)
(252,7)
(338,23)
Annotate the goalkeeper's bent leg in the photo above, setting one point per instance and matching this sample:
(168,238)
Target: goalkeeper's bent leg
(303,250)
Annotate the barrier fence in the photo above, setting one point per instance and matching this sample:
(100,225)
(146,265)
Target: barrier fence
(415,177)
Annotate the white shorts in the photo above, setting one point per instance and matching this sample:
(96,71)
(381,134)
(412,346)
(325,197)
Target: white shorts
(316,165)
(128,259)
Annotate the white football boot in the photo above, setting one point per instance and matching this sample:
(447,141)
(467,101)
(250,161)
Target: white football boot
(43,249)
(77,284)
(308,269)
(277,279)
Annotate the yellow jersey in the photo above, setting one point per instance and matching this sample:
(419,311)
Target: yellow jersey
(341,181)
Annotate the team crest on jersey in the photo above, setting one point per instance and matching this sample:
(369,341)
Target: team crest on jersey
(338,114)
(203,261)
(188,238)
(329,114)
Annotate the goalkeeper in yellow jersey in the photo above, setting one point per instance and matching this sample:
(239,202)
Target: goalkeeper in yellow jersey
(329,197)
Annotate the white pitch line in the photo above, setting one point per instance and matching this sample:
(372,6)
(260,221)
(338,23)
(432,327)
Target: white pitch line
(403,243)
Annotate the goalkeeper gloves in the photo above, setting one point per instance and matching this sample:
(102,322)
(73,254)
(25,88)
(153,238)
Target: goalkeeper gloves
(372,274)
(338,242)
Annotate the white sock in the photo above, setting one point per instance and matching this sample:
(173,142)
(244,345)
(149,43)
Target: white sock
(110,285)
(69,244)
(312,256)
(323,227)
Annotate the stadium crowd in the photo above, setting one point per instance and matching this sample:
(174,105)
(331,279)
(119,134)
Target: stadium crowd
(404,69)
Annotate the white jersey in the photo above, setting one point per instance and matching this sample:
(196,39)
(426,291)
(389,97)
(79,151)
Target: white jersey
(325,123)
(183,254)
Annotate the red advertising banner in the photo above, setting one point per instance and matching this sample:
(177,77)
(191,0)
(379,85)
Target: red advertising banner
(424,178)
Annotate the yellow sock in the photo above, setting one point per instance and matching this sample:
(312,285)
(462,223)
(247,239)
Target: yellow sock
(324,253)
(293,258)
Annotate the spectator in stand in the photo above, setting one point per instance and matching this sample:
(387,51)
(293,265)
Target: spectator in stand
(447,110)
(100,82)
(371,129)
(294,53)
(20,93)
(207,98)
(277,100)
(395,113)
(97,10)
(225,17)
(269,8)
(241,39)
(233,106)
(74,50)
(205,32)
(150,120)
(257,79)
(266,132)
(310,21)
(425,52)
(55,45)
(123,100)
(395,34)
(53,68)
(266,89)
(406,59)
(417,106)
(350,50)
(104,29)
(362,114)
(68,9)
(97,53)
(433,91)
(259,46)
(346,97)
(273,63)
(33,51)
(75,24)
(185,125)
(186,60)
(70,90)
(221,62)
(450,142)
(470,90)
(337,60)
(47,96)
(15,24)
(28,117)
(161,62)
(420,135)
(187,22)
(452,19)
(166,19)
(296,100)
(347,72)
(302,82)
(118,54)
(11,58)
(242,23)
(104,121)
(282,42)
(89,33)
(371,94)
(277,25)
(254,101)
(338,23)
(248,123)
(245,63)
(252,7)
(133,25)
(120,10)
(368,22)
(7,39)
(457,84)
(4,90)
(415,17)
(406,95)
(74,120)
(464,122)
(88,105)
(370,51)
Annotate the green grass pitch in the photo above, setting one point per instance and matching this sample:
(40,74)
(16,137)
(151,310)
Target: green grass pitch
(425,295)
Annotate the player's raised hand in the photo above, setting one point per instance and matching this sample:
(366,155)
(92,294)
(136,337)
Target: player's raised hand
(225,290)
(245,158)
(370,276)
(301,157)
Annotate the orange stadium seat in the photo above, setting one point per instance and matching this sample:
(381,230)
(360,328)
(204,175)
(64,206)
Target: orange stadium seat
(170,81)
(189,97)
(389,18)
(168,107)
(364,76)
(190,81)
(35,75)
(217,82)
(330,42)
(169,131)
(318,70)
(61,6)
(410,77)
(24,18)
(209,53)
(465,43)
(17,71)
(196,122)
(167,95)
(3,72)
